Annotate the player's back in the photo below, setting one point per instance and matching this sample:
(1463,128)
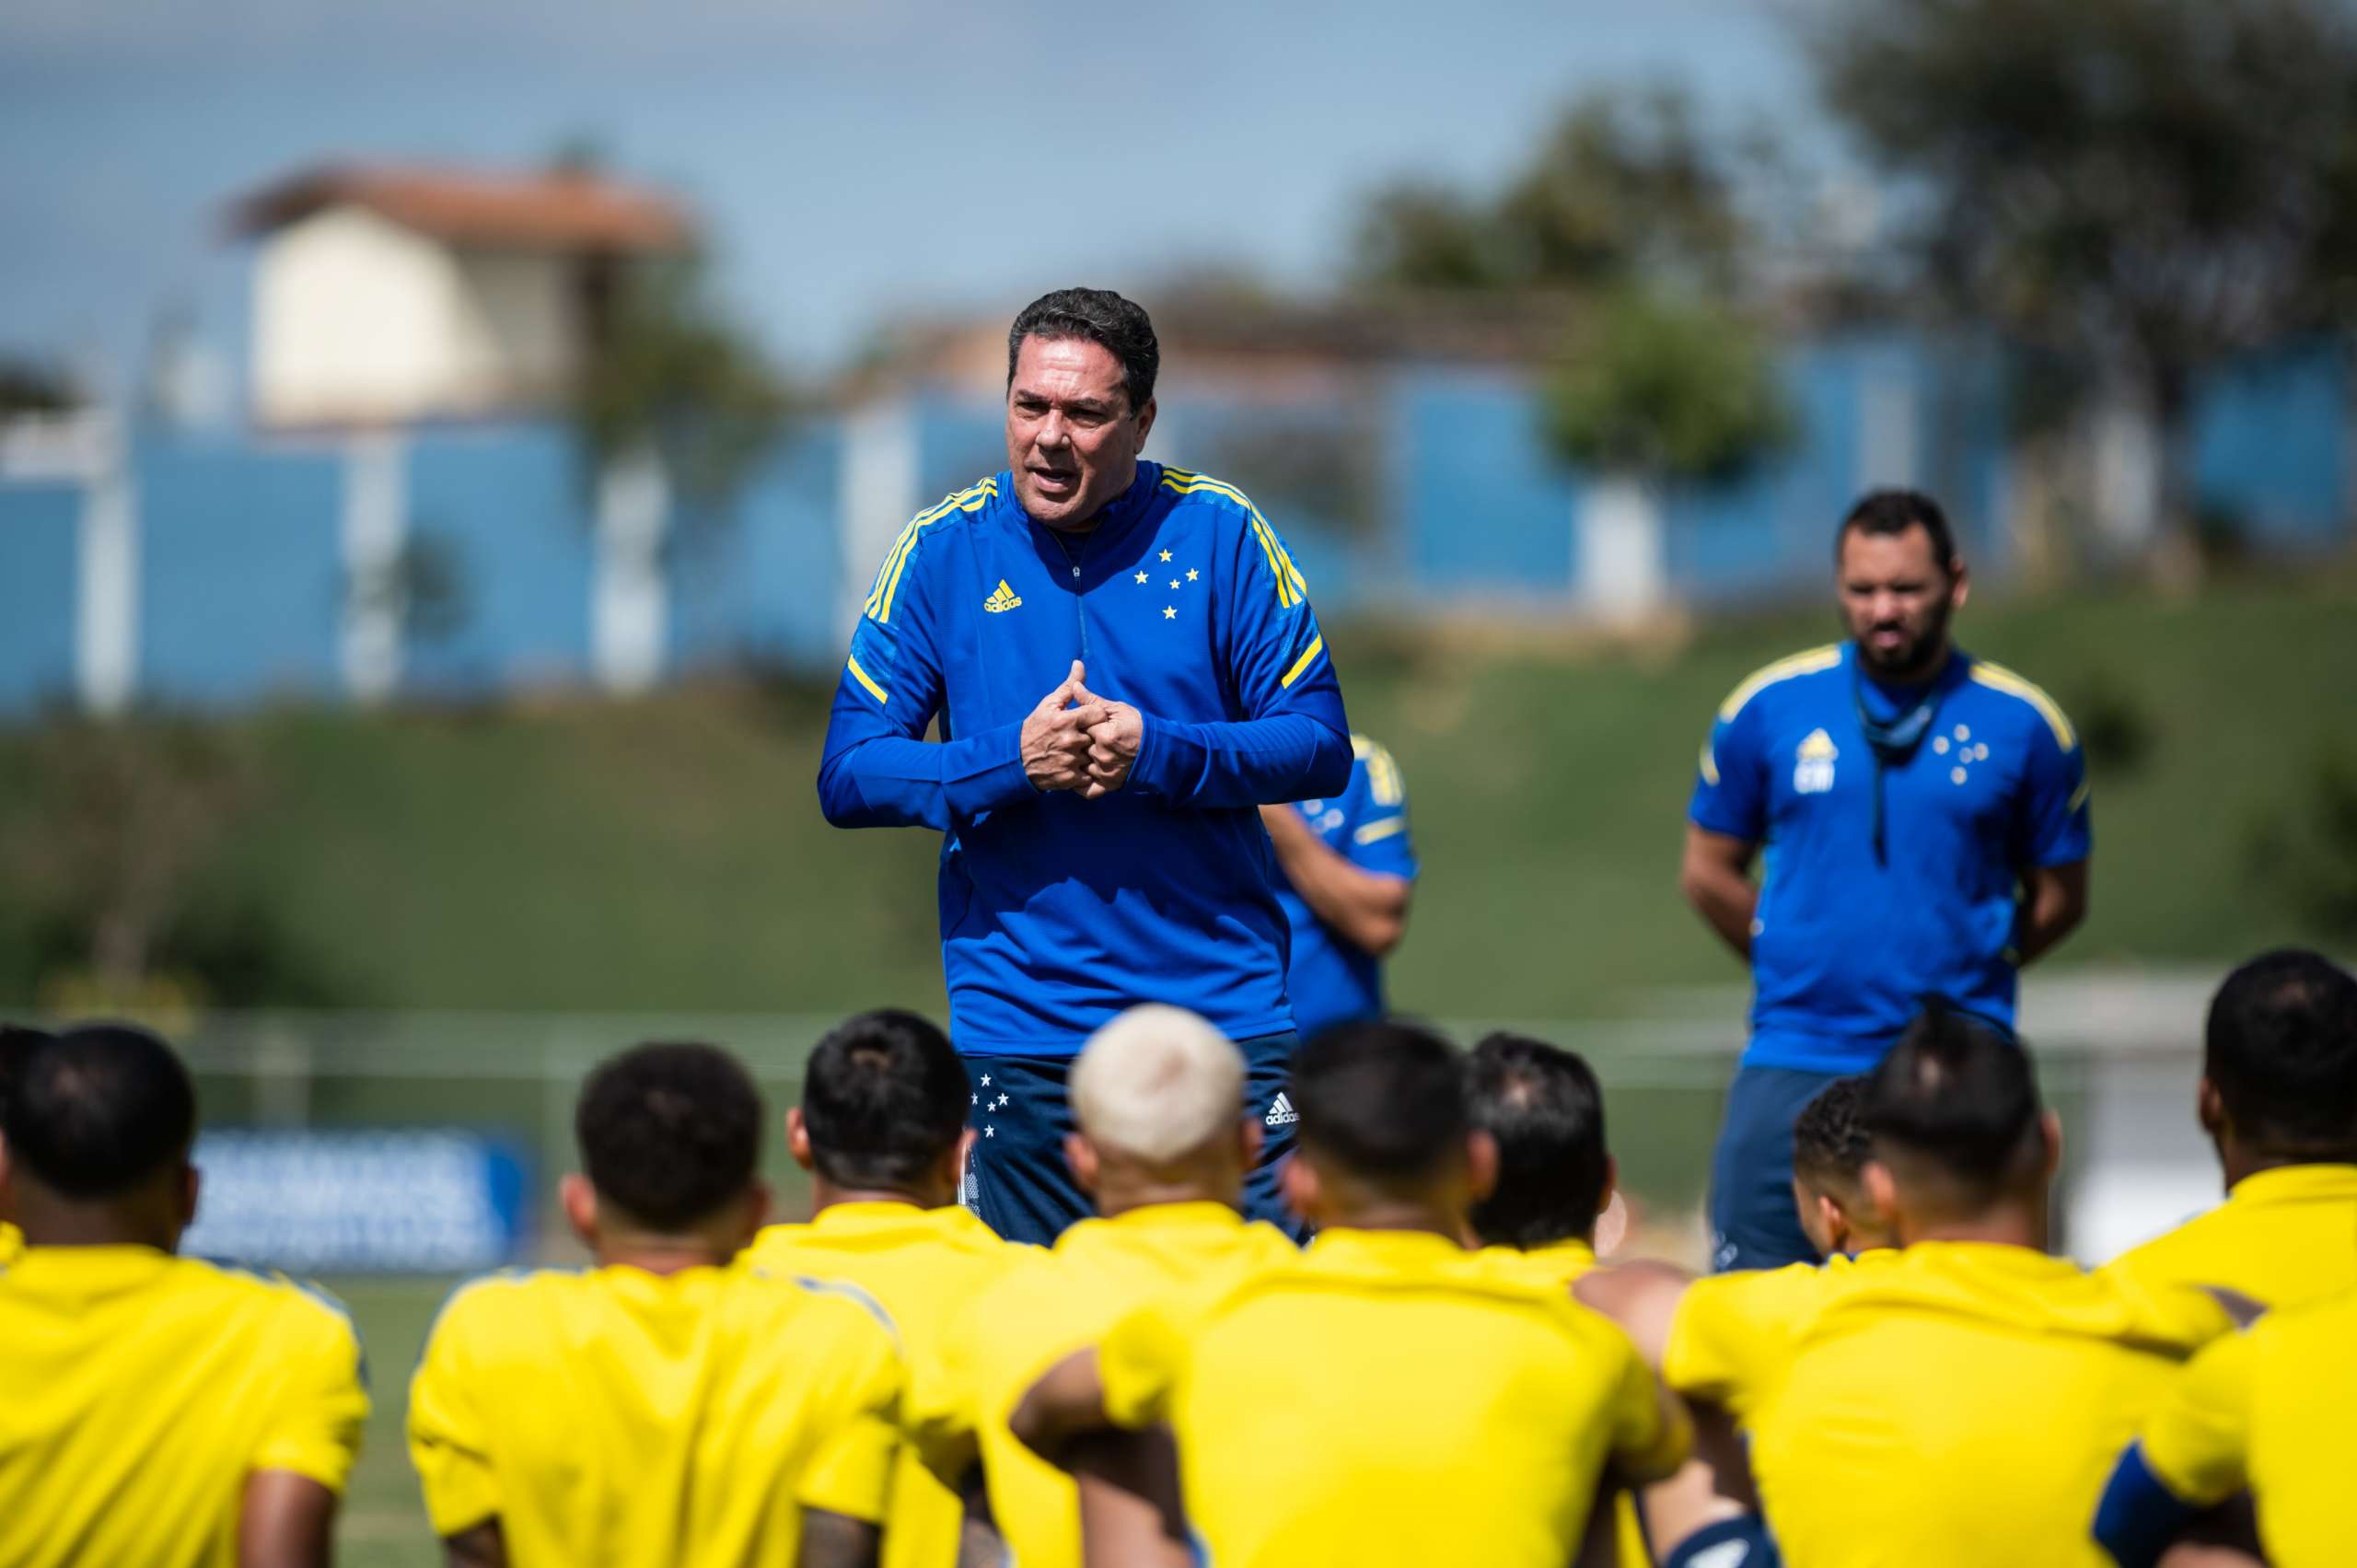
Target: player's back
(922,1266)
(1556,1264)
(139,1390)
(1962,1404)
(1389,1399)
(615,1415)
(1049,1304)
(2282,1237)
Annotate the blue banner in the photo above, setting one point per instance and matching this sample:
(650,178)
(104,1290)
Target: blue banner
(414,1201)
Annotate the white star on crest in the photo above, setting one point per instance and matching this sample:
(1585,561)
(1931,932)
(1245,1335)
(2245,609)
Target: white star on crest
(1174,581)
(990,1132)
(1141,577)
(986,1080)
(1001,1103)
(1165,555)
(1169,612)
(1190,573)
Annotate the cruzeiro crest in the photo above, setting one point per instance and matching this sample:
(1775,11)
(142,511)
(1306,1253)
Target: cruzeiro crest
(1813,764)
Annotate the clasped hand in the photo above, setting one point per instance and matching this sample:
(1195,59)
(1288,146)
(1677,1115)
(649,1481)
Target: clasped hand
(1077,740)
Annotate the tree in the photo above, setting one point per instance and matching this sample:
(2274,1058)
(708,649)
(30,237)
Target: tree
(1619,186)
(2138,189)
(1661,389)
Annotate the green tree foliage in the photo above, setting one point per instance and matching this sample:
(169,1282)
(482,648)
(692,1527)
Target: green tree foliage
(1619,186)
(670,374)
(2134,189)
(1666,388)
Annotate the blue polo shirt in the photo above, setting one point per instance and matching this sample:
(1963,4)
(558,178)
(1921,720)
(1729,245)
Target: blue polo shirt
(1333,980)
(1058,912)
(1845,944)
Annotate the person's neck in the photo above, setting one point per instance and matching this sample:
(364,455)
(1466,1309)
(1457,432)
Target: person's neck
(663,1254)
(2240,1164)
(1114,1198)
(825,1195)
(2007,1225)
(1405,1214)
(47,1220)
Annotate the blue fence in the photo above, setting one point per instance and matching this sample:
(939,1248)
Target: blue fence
(1430,487)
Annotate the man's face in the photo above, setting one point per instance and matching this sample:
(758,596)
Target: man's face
(1895,600)
(1072,438)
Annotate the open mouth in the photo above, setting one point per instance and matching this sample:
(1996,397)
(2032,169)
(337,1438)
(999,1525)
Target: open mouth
(1055,482)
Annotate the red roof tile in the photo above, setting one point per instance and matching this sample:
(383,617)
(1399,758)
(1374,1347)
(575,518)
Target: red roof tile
(543,211)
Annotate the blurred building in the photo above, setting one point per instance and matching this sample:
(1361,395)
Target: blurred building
(386,294)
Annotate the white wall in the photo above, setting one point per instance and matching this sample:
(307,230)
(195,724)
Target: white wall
(357,318)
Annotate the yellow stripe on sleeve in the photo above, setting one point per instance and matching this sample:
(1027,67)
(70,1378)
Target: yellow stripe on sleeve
(1709,767)
(1311,651)
(1292,587)
(896,560)
(1997,677)
(861,675)
(2078,798)
(1809,663)
(1375,832)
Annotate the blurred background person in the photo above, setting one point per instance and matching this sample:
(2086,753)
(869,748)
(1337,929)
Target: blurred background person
(1098,850)
(662,1406)
(882,1130)
(1346,872)
(1928,812)
(159,1409)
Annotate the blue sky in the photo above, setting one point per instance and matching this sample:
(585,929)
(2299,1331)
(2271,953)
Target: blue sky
(850,160)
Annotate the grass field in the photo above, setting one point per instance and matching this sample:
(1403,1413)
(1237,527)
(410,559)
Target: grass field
(383,1524)
(668,855)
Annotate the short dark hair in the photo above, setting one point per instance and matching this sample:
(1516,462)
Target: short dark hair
(669,1132)
(99,1109)
(1120,326)
(1385,1100)
(1895,511)
(1543,1106)
(17,1044)
(2281,1049)
(884,1099)
(1830,1137)
(1958,1094)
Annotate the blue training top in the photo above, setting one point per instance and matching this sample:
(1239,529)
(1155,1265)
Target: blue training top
(1058,912)
(1845,943)
(1333,980)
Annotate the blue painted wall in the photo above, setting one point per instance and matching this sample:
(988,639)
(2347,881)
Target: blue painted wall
(40,559)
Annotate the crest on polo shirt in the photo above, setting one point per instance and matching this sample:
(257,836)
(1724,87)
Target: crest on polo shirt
(1813,764)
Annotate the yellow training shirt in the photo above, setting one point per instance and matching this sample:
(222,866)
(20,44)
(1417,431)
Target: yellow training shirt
(1951,1405)
(1389,1399)
(1041,1310)
(2269,1408)
(619,1416)
(12,1241)
(2283,1236)
(921,1265)
(139,1390)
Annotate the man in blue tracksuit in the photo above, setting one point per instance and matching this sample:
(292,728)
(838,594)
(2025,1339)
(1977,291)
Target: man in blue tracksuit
(1920,817)
(1124,667)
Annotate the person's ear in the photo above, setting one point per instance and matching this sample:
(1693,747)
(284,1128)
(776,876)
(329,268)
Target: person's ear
(579,1202)
(797,1139)
(758,1199)
(1480,1164)
(1612,1185)
(1835,1221)
(1303,1193)
(191,1190)
(950,1172)
(1873,1178)
(1080,1156)
(2050,1132)
(2210,1109)
(1960,585)
(1145,422)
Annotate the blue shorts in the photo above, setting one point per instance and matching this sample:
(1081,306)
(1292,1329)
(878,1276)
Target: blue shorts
(1016,1178)
(1754,1223)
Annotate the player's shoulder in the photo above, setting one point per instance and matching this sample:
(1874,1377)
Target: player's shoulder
(1235,523)
(919,536)
(783,1292)
(2028,705)
(296,1314)
(1375,770)
(511,1303)
(2179,1254)
(1781,674)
